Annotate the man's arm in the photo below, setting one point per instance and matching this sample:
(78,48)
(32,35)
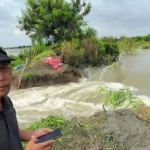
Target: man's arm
(25,134)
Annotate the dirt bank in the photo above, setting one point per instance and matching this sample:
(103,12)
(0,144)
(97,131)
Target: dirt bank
(127,131)
(112,130)
(41,74)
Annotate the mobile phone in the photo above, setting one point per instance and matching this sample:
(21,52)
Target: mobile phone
(50,136)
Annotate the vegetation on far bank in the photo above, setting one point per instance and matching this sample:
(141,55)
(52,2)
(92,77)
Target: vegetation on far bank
(92,50)
(59,28)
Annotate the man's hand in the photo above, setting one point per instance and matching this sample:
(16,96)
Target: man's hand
(39,146)
(27,134)
(41,131)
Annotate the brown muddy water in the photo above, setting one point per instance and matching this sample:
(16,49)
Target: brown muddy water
(83,99)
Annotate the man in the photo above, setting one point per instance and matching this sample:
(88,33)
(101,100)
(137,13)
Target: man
(10,134)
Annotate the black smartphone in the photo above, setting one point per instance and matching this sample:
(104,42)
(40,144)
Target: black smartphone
(50,136)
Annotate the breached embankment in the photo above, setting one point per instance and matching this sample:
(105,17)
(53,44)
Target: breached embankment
(42,74)
(113,130)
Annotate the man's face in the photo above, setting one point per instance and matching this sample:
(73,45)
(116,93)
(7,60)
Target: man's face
(5,78)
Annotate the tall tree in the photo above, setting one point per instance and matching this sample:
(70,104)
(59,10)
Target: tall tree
(54,20)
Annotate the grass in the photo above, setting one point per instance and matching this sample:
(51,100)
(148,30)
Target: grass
(45,54)
(143,113)
(79,134)
(87,133)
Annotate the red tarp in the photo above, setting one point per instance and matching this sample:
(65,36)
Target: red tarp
(54,62)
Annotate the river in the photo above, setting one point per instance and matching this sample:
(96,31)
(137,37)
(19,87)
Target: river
(83,98)
(13,51)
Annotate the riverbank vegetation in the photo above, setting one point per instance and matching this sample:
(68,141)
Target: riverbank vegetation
(59,29)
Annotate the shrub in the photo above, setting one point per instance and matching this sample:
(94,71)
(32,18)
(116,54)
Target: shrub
(123,97)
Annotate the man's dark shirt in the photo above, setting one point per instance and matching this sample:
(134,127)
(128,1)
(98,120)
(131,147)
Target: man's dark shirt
(9,130)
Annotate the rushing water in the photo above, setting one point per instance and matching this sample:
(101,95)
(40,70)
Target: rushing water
(83,98)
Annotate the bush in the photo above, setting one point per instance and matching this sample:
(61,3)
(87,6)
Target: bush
(123,97)
(17,62)
(72,52)
(91,50)
(127,46)
(109,50)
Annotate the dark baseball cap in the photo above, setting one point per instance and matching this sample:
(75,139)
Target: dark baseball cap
(4,56)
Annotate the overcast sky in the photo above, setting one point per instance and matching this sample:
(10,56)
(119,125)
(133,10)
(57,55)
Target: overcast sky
(108,17)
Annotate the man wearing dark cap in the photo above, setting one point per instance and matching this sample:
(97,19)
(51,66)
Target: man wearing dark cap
(10,133)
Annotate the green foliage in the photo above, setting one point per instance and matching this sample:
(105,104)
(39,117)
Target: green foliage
(45,54)
(27,76)
(89,32)
(91,50)
(109,49)
(145,38)
(17,62)
(127,46)
(52,122)
(123,97)
(109,46)
(39,49)
(54,20)
(71,52)
(145,45)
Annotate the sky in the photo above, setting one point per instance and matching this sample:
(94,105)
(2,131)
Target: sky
(108,17)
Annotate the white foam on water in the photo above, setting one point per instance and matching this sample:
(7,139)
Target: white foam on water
(145,99)
(80,99)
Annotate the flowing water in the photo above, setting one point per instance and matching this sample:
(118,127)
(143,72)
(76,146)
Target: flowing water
(83,98)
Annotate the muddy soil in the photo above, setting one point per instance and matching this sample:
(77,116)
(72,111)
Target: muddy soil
(112,130)
(127,130)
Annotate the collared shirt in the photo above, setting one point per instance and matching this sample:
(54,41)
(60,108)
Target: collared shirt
(9,130)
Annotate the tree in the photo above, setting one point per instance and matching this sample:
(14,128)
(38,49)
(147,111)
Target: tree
(54,20)
(89,32)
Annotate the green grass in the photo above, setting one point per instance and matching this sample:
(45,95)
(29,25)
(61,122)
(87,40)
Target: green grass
(45,54)
(17,62)
(79,134)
